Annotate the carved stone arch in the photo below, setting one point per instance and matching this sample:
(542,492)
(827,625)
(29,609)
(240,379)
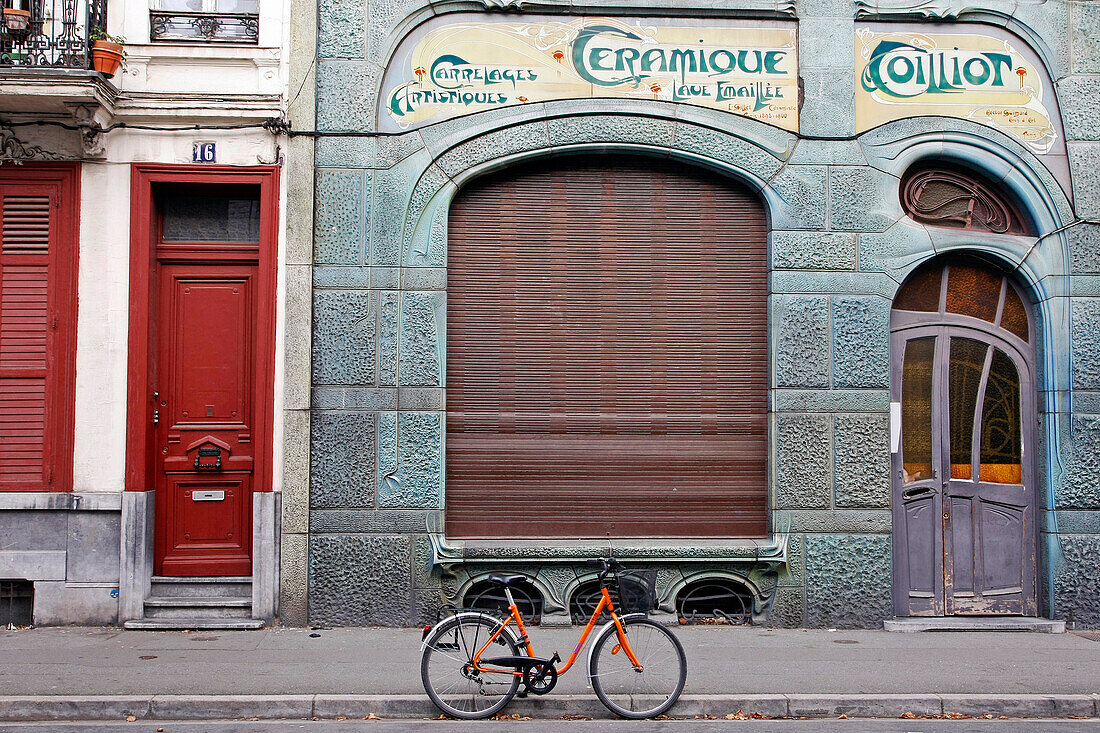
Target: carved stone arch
(745,150)
(760,597)
(897,146)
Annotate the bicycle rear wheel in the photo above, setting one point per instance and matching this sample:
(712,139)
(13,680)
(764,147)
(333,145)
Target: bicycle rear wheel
(446,667)
(635,693)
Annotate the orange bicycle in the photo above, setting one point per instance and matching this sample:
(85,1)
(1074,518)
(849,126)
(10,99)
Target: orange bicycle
(474,662)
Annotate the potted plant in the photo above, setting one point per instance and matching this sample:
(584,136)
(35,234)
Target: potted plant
(16,20)
(107,51)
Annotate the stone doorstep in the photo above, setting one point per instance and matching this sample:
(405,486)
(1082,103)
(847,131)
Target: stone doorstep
(912,624)
(271,707)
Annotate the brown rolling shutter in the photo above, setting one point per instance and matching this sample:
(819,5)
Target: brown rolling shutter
(24,338)
(607,353)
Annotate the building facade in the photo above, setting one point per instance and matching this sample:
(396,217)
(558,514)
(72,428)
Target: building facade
(142,218)
(794,303)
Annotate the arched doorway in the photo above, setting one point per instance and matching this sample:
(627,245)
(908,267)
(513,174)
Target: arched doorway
(962,340)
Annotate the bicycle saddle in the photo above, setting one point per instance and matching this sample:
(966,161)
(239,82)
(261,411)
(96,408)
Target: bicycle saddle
(508,581)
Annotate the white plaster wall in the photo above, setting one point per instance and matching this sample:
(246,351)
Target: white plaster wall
(99,455)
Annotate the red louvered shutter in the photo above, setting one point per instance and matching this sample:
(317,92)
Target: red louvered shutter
(35,378)
(607,353)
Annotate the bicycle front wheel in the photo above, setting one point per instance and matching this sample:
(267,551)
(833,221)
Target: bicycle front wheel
(448,673)
(644,691)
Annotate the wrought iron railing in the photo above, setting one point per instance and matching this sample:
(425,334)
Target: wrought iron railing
(55,35)
(174,25)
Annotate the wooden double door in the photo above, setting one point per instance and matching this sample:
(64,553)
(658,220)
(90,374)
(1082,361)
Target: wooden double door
(965,520)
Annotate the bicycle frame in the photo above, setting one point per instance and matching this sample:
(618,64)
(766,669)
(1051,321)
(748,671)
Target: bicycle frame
(525,641)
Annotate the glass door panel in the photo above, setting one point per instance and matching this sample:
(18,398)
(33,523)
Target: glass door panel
(1002,447)
(916,411)
(964,379)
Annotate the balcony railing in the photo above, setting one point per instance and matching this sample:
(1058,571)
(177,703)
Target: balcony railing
(56,35)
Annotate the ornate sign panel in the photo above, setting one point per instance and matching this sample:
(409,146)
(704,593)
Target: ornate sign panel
(467,63)
(986,77)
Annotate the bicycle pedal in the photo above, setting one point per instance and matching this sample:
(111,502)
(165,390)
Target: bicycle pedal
(521,694)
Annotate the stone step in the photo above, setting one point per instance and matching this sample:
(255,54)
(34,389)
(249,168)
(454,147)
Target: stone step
(205,622)
(913,624)
(198,602)
(215,587)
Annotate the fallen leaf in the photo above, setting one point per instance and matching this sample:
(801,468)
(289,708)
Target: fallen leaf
(131,718)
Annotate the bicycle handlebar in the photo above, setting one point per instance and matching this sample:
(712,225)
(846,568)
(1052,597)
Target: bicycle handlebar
(607,564)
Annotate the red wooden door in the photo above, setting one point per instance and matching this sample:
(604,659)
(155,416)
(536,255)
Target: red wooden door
(205,416)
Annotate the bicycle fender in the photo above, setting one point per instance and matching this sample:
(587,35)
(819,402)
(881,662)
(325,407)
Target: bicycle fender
(469,614)
(592,645)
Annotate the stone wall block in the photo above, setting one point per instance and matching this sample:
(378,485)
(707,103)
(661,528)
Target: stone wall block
(826,9)
(828,152)
(827,42)
(741,154)
(1079,487)
(1076,582)
(1084,246)
(1084,166)
(861,342)
(589,129)
(423,338)
(493,145)
(347,152)
(339,228)
(803,462)
(344,331)
(1085,348)
(388,324)
(861,445)
(424,193)
(297,354)
(360,580)
(295,471)
(862,199)
(410,460)
(895,251)
(830,101)
(836,521)
(342,449)
(340,28)
(423,577)
(801,189)
(813,251)
(346,94)
(788,609)
(392,189)
(793,573)
(293,572)
(831,400)
(385,16)
(848,580)
(1079,97)
(802,341)
(1085,31)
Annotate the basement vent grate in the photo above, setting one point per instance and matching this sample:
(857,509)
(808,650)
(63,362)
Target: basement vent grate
(16,603)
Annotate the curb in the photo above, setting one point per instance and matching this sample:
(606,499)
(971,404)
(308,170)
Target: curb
(27,708)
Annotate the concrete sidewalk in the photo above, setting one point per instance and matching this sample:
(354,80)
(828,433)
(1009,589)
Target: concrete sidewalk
(107,673)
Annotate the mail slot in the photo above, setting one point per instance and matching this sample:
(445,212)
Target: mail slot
(207,496)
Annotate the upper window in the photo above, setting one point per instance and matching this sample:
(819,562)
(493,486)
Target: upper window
(953,197)
(206,21)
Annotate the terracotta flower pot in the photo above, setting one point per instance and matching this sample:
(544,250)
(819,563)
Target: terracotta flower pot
(106,56)
(16,21)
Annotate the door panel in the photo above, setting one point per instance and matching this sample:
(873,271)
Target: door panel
(967,543)
(205,332)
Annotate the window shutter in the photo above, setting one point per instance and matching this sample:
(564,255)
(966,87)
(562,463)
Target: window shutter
(607,353)
(25,337)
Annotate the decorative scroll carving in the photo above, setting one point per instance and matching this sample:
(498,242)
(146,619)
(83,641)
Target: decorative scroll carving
(950,198)
(934,9)
(14,150)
